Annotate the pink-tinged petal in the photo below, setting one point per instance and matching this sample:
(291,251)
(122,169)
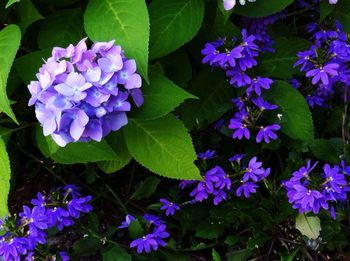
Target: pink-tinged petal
(85,86)
(49,126)
(45,79)
(59,140)
(75,79)
(104,64)
(93,74)
(229,4)
(117,62)
(64,89)
(82,118)
(76,130)
(134,81)
(130,66)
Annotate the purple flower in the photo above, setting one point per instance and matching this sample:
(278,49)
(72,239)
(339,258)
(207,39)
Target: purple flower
(85,96)
(246,189)
(209,154)
(151,219)
(267,133)
(323,73)
(253,171)
(240,129)
(36,219)
(160,233)
(263,105)
(169,207)
(145,243)
(259,83)
(79,205)
(12,249)
(127,222)
(237,157)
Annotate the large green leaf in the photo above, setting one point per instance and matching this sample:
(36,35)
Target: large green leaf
(280,63)
(215,95)
(61,29)
(5,174)
(78,152)
(27,14)
(125,21)
(28,65)
(117,142)
(161,97)
(173,23)
(296,118)
(10,38)
(163,146)
(308,226)
(323,149)
(261,8)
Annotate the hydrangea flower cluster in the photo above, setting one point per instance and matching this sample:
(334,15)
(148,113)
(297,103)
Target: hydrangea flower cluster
(309,191)
(219,184)
(229,4)
(325,65)
(83,94)
(151,241)
(237,61)
(58,210)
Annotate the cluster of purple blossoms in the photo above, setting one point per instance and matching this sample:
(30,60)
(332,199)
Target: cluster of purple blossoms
(325,65)
(83,94)
(58,210)
(252,174)
(229,4)
(250,111)
(237,61)
(310,192)
(151,241)
(218,184)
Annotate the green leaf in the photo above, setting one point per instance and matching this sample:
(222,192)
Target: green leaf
(77,152)
(116,253)
(239,255)
(87,246)
(225,14)
(173,23)
(215,95)
(324,150)
(117,142)
(28,65)
(296,119)
(163,146)
(10,38)
(209,230)
(342,12)
(62,28)
(215,255)
(325,9)
(11,2)
(27,14)
(308,226)
(125,21)
(5,174)
(135,229)
(177,67)
(280,63)
(146,188)
(162,96)
(261,8)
